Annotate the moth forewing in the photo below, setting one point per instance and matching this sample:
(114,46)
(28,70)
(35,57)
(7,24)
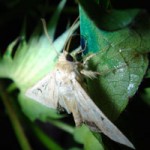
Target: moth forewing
(95,119)
(44,91)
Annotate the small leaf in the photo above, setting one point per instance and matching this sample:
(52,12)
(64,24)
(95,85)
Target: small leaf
(84,136)
(35,110)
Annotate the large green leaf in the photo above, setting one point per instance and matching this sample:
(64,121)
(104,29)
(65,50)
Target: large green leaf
(106,17)
(121,58)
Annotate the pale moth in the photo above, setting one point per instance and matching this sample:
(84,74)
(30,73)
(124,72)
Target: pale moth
(63,87)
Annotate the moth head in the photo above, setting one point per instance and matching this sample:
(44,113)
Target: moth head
(67,56)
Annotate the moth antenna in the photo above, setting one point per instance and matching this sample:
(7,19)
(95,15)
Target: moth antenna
(82,50)
(47,35)
(66,46)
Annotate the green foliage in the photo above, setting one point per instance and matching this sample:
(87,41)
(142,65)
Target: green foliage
(107,18)
(121,58)
(85,136)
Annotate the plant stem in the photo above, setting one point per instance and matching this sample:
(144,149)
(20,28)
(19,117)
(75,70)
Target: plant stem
(48,142)
(7,101)
(62,126)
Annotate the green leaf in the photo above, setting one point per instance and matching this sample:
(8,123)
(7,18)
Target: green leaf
(148,73)
(121,58)
(53,22)
(84,136)
(106,18)
(35,110)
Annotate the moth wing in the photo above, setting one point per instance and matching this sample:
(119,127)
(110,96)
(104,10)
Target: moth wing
(95,119)
(45,91)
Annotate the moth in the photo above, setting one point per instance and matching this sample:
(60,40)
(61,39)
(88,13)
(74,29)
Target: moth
(64,87)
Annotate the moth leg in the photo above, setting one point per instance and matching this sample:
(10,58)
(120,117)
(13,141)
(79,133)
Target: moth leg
(88,58)
(90,74)
(93,55)
(76,51)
